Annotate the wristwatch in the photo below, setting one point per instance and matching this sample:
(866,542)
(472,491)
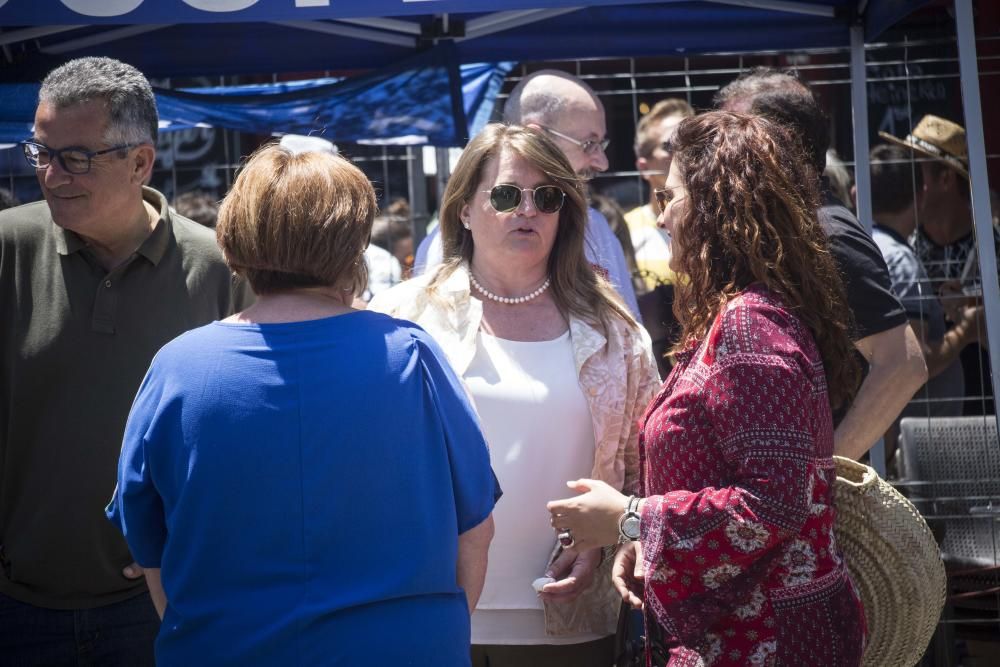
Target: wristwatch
(629,522)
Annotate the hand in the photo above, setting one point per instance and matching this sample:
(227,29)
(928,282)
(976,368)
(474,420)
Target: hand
(973,322)
(133,571)
(954,301)
(628,573)
(592,517)
(573,572)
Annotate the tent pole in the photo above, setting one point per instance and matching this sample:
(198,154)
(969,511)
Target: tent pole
(862,171)
(985,246)
(859,103)
(794,7)
(443,172)
(26,34)
(417,193)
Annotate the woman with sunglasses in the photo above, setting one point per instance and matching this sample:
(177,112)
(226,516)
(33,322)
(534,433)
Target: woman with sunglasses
(559,371)
(730,548)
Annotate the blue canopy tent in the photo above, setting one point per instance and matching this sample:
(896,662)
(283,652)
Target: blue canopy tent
(170,38)
(200,37)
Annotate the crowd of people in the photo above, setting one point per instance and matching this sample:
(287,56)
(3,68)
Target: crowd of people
(283,435)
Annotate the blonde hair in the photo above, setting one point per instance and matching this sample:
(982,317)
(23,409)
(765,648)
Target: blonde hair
(645,141)
(576,287)
(297,220)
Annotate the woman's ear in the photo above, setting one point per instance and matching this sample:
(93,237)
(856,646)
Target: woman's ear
(465,215)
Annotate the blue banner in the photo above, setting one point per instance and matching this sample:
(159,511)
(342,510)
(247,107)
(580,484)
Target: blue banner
(415,103)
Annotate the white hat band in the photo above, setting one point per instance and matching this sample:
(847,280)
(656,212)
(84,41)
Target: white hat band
(935,150)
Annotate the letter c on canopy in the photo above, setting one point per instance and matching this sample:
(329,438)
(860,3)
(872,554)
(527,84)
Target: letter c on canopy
(101,7)
(220,5)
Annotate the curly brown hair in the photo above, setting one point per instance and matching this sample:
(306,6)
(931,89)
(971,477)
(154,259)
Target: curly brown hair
(751,217)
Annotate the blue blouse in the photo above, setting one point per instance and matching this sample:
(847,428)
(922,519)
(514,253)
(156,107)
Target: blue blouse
(303,486)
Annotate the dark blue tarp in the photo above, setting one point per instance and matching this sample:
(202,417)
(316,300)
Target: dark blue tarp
(180,38)
(96,12)
(409,104)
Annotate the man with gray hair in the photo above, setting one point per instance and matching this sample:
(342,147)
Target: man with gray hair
(568,110)
(93,281)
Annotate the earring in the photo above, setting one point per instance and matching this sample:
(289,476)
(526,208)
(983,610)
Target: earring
(465,223)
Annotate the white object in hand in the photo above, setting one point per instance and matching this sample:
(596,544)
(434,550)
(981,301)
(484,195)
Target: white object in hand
(539,584)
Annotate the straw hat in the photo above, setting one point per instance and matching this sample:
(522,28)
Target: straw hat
(939,139)
(894,562)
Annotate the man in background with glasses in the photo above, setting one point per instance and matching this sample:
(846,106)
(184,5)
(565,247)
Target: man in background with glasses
(93,281)
(568,110)
(652,160)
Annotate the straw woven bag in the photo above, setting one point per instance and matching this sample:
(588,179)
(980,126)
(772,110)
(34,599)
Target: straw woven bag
(894,562)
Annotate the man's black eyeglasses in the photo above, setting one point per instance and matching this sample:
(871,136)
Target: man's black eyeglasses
(73,160)
(506,197)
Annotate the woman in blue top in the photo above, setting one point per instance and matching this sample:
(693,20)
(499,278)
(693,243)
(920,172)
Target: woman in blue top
(304,483)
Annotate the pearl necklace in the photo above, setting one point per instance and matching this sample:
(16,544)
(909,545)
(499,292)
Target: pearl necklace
(510,300)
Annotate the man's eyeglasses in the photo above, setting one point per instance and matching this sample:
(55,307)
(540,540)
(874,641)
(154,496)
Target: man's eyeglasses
(506,198)
(590,146)
(73,160)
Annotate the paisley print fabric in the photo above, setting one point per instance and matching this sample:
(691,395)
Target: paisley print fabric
(741,563)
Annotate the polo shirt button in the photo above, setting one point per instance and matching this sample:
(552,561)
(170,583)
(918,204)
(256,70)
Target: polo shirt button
(107,283)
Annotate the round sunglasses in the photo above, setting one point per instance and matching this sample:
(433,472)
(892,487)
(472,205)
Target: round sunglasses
(506,198)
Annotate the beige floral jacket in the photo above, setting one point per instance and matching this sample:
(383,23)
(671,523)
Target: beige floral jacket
(619,378)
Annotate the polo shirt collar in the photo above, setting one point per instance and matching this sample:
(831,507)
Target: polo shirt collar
(156,244)
(890,232)
(153,248)
(67,242)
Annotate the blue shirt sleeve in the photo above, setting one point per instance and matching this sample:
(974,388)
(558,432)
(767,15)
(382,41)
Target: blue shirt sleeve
(136,507)
(475,485)
(909,279)
(603,249)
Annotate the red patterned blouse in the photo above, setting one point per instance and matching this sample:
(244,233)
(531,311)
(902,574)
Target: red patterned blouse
(737,531)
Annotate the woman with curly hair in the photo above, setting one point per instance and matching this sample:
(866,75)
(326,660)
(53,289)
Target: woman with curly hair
(730,547)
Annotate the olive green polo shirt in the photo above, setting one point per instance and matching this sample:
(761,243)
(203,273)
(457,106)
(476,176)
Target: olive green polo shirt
(75,343)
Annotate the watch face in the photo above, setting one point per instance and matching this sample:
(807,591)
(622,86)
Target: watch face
(630,526)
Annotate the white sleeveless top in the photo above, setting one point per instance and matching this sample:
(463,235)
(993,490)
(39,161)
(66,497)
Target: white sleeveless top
(538,424)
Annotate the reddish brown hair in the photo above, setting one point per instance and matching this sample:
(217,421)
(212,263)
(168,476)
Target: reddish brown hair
(751,218)
(297,220)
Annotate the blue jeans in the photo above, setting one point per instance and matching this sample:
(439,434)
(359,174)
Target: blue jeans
(120,634)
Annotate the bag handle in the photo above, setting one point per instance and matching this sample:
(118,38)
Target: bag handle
(855,474)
